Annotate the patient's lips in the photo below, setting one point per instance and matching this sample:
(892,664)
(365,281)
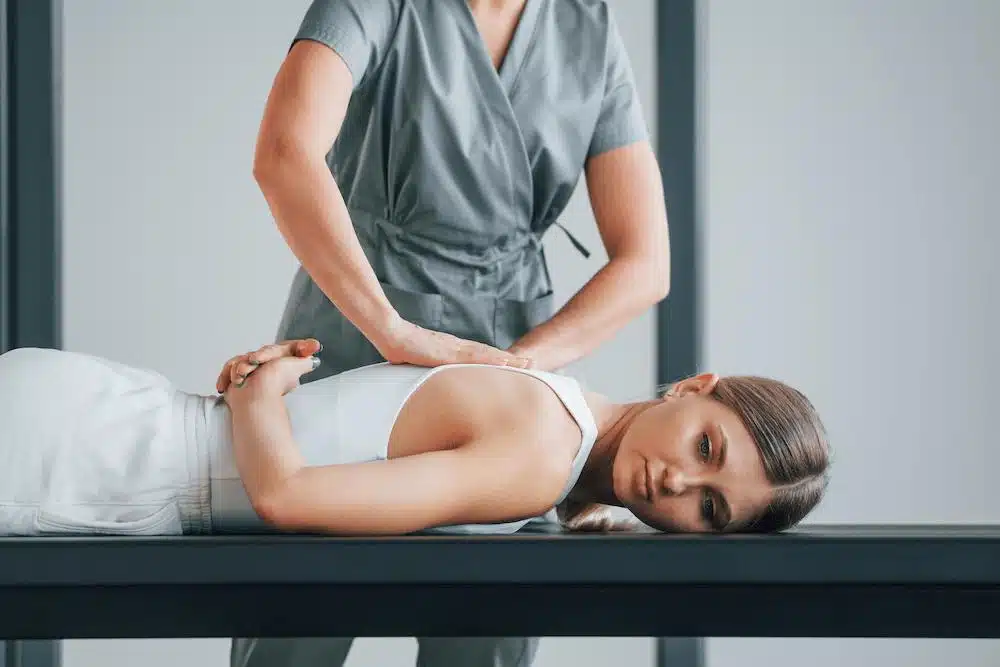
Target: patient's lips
(644,488)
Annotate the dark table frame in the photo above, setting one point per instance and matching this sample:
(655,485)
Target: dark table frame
(817,582)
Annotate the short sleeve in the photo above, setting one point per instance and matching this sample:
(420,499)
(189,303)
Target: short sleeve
(621,120)
(359,31)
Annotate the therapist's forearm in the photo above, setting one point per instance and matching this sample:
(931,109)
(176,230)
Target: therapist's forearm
(616,295)
(311,215)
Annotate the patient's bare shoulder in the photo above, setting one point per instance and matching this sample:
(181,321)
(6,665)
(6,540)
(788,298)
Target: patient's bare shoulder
(512,438)
(525,445)
(484,404)
(524,414)
(539,410)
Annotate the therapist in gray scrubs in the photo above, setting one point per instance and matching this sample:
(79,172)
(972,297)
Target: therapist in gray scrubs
(413,153)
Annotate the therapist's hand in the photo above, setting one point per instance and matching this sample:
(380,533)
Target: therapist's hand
(408,343)
(238,368)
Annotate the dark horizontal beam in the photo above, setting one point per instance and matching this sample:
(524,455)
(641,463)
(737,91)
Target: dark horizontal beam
(238,610)
(863,581)
(832,556)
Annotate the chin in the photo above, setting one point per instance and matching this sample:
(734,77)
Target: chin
(620,489)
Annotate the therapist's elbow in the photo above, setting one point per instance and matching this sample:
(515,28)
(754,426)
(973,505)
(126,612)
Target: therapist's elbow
(658,261)
(655,278)
(266,172)
(661,289)
(646,276)
(274,160)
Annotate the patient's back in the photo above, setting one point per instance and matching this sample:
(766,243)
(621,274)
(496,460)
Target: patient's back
(388,411)
(457,405)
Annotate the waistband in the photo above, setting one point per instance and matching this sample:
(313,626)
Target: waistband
(194,500)
(448,244)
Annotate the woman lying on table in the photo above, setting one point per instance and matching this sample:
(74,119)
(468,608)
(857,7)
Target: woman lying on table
(94,447)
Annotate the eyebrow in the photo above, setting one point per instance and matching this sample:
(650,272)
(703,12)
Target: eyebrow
(724,515)
(723,446)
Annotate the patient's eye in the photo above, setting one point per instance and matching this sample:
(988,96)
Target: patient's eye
(705,448)
(708,508)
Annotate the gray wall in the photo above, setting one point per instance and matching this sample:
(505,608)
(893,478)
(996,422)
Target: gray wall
(849,188)
(172,261)
(849,162)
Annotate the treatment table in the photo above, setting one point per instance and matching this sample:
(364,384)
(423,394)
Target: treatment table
(817,581)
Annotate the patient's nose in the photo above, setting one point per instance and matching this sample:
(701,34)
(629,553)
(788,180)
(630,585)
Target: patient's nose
(675,482)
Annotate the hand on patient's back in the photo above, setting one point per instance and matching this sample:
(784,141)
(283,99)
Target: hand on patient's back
(412,344)
(238,368)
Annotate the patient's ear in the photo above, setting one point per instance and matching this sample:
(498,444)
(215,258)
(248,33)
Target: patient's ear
(703,384)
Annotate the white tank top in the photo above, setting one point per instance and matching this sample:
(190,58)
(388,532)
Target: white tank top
(348,418)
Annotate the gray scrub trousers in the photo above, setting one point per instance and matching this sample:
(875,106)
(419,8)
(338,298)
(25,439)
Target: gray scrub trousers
(452,170)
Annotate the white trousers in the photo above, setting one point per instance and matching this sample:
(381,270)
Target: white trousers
(89,446)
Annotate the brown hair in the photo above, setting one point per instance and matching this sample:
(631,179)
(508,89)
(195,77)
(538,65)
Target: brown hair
(792,443)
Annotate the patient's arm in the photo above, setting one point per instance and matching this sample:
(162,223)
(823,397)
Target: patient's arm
(491,480)
(482,482)
(265,452)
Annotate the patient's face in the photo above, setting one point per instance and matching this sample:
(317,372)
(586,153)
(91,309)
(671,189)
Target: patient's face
(688,464)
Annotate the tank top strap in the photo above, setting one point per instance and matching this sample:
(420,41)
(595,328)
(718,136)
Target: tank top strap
(571,394)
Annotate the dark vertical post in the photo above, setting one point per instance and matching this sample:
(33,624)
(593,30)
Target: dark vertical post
(31,654)
(677,320)
(678,315)
(5,254)
(34,201)
(680,652)
(30,206)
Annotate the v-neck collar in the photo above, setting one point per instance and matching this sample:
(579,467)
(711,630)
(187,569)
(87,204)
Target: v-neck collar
(517,49)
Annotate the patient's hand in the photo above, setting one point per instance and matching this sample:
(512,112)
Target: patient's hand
(272,379)
(238,369)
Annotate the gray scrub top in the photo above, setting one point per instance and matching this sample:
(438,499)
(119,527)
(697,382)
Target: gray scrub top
(453,170)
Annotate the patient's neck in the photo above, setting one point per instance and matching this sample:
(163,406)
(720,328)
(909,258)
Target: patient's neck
(596,483)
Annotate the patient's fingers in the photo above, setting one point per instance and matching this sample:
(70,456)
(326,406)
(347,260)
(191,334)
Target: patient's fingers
(225,375)
(235,371)
(242,368)
(238,368)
